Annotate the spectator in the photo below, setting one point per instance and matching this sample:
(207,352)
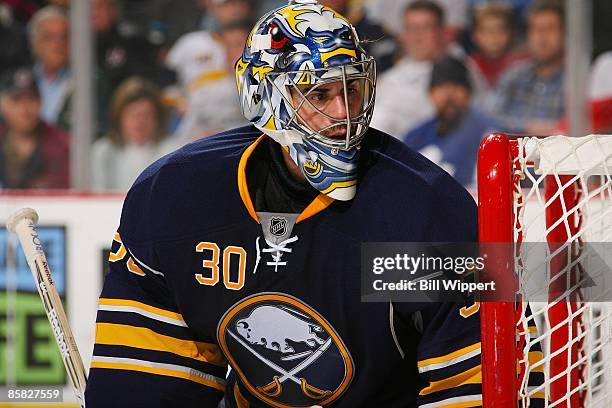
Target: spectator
(136,137)
(194,54)
(121,54)
(49,43)
(199,52)
(200,58)
(402,99)
(492,37)
(213,102)
(377,42)
(518,8)
(600,93)
(451,138)
(14,52)
(530,96)
(33,154)
(389,13)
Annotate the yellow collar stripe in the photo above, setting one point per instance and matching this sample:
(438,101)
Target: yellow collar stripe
(243,188)
(317,205)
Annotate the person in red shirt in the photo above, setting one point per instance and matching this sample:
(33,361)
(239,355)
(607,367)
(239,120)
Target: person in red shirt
(33,154)
(493,38)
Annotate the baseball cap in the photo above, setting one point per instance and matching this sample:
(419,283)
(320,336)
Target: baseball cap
(449,69)
(18,80)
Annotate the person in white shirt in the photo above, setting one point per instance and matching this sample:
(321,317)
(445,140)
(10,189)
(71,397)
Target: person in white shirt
(137,136)
(212,100)
(402,98)
(402,95)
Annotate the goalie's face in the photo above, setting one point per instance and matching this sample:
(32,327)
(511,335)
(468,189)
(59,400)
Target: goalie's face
(325,108)
(330,106)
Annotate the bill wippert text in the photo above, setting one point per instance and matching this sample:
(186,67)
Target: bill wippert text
(455,285)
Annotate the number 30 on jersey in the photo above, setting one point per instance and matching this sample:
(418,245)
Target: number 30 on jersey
(234,257)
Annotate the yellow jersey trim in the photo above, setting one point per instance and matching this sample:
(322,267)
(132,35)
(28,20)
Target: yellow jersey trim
(143,338)
(449,356)
(471,376)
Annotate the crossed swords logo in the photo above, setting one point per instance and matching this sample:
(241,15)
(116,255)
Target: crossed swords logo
(275,387)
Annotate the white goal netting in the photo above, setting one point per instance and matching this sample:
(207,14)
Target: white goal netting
(562,190)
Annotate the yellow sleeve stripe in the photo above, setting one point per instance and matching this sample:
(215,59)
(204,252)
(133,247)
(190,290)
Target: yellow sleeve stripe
(143,338)
(140,305)
(463,405)
(169,370)
(536,361)
(471,376)
(452,356)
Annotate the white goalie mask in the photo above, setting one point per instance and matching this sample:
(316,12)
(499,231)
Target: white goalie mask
(298,60)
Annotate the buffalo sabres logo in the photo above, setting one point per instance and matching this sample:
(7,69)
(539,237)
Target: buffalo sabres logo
(284,352)
(278,226)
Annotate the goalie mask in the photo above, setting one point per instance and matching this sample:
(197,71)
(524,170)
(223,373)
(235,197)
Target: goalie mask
(304,80)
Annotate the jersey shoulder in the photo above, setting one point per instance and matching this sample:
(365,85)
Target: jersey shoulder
(400,162)
(403,181)
(185,189)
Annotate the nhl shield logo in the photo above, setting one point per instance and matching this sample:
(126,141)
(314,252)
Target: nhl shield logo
(284,352)
(278,226)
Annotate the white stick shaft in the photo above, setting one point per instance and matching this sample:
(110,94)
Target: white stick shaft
(25,228)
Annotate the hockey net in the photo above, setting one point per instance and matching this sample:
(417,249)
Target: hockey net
(555,351)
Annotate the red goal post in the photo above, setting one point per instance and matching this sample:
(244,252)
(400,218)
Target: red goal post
(556,190)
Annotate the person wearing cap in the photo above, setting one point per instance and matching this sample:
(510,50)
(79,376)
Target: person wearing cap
(33,154)
(451,137)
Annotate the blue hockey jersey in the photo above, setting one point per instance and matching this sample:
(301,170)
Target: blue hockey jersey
(200,280)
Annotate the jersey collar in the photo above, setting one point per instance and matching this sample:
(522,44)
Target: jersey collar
(317,205)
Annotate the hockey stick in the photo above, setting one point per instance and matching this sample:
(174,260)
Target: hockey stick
(23,223)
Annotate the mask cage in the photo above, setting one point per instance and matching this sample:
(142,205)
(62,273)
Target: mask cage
(356,125)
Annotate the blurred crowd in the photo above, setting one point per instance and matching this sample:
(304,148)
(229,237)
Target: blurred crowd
(449,72)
